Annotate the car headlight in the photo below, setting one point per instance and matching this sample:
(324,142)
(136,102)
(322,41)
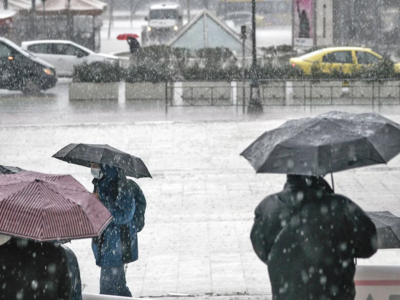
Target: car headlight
(48,71)
(176,28)
(149,28)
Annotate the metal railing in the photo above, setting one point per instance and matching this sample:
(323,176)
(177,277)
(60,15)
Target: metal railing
(361,92)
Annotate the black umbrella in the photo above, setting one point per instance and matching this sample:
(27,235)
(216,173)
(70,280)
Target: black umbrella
(85,154)
(388,227)
(9,170)
(327,143)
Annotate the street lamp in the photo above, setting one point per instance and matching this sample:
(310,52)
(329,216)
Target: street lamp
(255,106)
(243,36)
(33,23)
(44,17)
(188,10)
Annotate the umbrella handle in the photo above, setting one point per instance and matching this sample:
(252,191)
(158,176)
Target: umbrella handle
(333,184)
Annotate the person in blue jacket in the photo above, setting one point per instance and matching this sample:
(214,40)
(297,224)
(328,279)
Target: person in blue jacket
(117,245)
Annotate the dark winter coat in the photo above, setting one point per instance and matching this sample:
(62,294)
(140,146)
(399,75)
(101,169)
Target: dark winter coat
(117,245)
(309,238)
(74,274)
(32,270)
(134,45)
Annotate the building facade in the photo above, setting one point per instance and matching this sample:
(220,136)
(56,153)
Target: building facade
(369,23)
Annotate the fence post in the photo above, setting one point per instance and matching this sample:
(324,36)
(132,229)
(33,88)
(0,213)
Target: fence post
(191,96)
(379,95)
(212,96)
(166,97)
(373,94)
(244,97)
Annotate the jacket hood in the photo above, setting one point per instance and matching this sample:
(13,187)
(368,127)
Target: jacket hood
(308,182)
(301,189)
(112,174)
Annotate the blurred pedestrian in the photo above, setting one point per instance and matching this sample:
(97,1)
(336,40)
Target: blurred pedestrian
(134,45)
(309,237)
(74,273)
(117,245)
(33,270)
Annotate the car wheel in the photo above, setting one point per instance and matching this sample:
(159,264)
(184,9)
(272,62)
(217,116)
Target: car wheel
(30,87)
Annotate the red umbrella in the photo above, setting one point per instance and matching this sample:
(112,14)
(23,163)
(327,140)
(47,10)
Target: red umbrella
(125,36)
(46,207)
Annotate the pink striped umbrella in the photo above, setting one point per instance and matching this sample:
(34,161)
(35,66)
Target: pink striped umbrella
(46,207)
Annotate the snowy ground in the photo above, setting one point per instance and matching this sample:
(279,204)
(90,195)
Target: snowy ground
(202,196)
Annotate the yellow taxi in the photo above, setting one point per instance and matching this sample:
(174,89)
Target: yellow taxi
(346,59)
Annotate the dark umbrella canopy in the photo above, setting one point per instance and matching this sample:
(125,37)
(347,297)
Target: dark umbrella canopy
(327,143)
(84,154)
(388,228)
(9,170)
(46,207)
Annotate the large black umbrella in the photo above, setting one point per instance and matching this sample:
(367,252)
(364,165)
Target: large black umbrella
(85,154)
(327,143)
(388,228)
(9,170)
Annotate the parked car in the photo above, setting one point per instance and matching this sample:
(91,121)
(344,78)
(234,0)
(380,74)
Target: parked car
(64,55)
(22,71)
(345,58)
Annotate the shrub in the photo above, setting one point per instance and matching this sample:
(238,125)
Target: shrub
(197,72)
(149,73)
(97,72)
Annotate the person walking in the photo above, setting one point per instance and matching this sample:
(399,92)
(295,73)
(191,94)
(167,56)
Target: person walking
(134,45)
(33,270)
(117,245)
(309,237)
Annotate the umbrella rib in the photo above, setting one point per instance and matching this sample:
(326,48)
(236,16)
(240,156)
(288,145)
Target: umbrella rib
(372,145)
(102,155)
(76,145)
(391,229)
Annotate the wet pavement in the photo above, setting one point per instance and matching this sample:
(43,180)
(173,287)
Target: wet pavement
(54,107)
(202,195)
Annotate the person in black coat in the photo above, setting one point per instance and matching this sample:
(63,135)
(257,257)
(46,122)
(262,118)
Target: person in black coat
(134,45)
(309,236)
(32,270)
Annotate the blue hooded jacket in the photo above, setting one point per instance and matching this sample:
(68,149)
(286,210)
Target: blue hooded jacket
(117,245)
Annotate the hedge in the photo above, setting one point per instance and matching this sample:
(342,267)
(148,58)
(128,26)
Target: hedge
(97,72)
(162,63)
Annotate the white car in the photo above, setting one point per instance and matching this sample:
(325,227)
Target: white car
(64,55)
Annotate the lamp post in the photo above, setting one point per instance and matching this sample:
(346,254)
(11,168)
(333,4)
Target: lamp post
(70,20)
(44,11)
(244,37)
(188,10)
(255,106)
(33,23)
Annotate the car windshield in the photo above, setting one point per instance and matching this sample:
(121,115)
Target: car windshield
(160,14)
(24,52)
(311,54)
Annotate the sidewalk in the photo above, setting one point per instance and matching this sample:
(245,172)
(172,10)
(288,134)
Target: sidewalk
(200,201)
